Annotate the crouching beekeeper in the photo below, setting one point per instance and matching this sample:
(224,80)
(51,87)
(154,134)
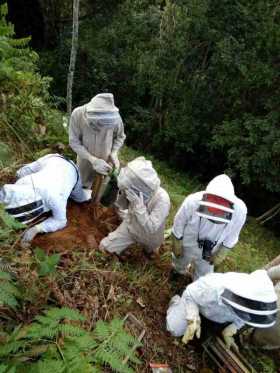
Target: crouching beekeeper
(144,206)
(43,186)
(206,227)
(237,299)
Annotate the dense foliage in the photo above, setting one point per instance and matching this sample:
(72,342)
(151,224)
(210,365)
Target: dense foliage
(27,115)
(199,78)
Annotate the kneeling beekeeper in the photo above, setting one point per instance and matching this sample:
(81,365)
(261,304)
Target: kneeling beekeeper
(235,298)
(42,186)
(206,227)
(144,206)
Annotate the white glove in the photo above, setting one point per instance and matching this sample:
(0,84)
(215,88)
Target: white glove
(177,246)
(228,334)
(115,160)
(134,200)
(101,167)
(193,328)
(29,235)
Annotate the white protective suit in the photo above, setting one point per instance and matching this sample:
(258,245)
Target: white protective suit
(190,227)
(96,132)
(144,223)
(42,186)
(216,297)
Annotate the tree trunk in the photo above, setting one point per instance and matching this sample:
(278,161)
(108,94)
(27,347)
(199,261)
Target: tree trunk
(74,49)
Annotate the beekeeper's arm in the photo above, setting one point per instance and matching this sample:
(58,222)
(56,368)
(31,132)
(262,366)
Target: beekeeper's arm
(192,316)
(75,138)
(57,221)
(150,221)
(33,167)
(28,169)
(233,236)
(75,142)
(180,221)
(118,141)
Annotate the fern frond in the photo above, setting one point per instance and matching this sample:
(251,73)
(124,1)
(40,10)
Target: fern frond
(10,348)
(102,330)
(48,366)
(5,276)
(7,298)
(70,330)
(64,313)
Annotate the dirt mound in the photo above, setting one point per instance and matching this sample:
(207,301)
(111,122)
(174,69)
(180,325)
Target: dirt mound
(83,231)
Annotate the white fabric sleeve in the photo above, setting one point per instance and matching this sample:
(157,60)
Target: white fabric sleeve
(152,221)
(192,309)
(181,219)
(233,236)
(75,139)
(58,219)
(29,169)
(118,137)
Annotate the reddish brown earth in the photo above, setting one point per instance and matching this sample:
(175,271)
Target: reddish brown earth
(83,231)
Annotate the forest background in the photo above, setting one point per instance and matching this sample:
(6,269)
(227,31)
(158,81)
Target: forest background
(197,82)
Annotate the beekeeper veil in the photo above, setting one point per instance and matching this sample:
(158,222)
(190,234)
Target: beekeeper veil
(140,176)
(22,202)
(252,298)
(217,203)
(101,112)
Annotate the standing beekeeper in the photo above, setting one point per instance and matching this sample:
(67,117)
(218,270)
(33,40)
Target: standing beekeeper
(206,227)
(96,134)
(144,206)
(43,186)
(237,299)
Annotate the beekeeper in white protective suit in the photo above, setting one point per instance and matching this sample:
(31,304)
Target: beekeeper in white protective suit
(144,206)
(236,298)
(268,338)
(206,227)
(96,134)
(42,186)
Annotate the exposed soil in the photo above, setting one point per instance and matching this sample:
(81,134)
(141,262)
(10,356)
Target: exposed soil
(85,228)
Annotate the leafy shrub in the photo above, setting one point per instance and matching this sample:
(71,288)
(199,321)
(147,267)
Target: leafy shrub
(27,115)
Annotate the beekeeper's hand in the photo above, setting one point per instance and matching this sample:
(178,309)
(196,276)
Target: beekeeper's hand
(228,334)
(176,246)
(101,167)
(135,201)
(113,158)
(193,328)
(29,235)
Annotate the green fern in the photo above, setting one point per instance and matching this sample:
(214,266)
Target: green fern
(52,343)
(8,291)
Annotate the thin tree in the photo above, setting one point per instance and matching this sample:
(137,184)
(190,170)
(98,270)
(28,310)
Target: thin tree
(74,48)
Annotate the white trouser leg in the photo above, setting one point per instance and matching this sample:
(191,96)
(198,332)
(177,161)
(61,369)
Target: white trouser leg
(117,241)
(192,255)
(176,322)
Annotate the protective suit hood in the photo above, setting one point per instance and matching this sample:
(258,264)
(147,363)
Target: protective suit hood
(139,174)
(252,297)
(221,186)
